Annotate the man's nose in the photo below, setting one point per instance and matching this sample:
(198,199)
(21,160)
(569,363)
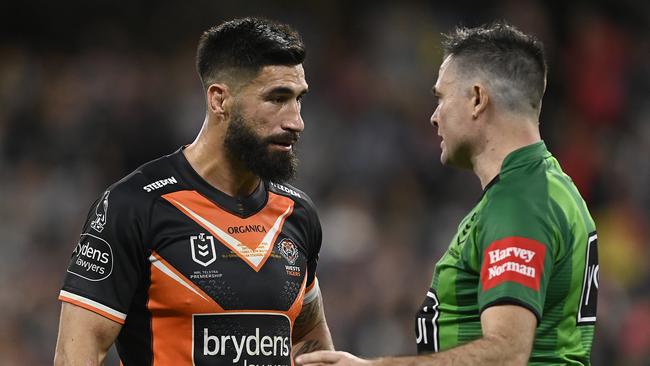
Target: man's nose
(294,121)
(434,119)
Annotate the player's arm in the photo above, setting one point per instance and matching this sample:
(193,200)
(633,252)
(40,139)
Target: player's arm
(310,331)
(84,337)
(508,334)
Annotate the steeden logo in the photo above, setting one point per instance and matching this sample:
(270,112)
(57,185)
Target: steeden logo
(159,184)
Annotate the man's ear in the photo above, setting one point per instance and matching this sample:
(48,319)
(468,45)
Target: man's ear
(480,99)
(217,97)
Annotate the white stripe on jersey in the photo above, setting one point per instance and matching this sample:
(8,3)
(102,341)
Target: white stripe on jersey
(312,294)
(94,304)
(158,264)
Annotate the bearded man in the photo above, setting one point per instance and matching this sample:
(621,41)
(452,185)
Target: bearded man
(205,256)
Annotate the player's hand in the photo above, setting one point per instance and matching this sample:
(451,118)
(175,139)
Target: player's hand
(319,358)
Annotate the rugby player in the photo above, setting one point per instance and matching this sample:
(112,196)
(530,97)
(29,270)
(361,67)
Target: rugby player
(518,284)
(205,256)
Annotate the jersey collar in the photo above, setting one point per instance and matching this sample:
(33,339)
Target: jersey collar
(520,157)
(524,156)
(240,206)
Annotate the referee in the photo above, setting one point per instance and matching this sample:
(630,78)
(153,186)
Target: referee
(518,283)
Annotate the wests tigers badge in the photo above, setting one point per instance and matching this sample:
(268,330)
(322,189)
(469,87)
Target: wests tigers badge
(289,250)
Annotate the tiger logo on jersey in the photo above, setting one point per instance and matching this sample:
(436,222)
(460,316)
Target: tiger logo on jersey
(289,250)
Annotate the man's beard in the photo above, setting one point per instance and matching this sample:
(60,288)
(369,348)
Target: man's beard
(244,145)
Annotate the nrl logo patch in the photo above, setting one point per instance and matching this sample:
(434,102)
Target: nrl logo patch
(101,211)
(203,250)
(289,250)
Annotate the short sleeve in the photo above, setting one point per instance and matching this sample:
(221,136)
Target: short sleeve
(516,242)
(108,260)
(316,237)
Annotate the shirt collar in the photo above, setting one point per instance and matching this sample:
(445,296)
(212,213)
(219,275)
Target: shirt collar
(522,156)
(525,155)
(240,206)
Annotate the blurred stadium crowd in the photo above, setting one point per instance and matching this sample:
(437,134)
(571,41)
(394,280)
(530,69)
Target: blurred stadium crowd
(88,95)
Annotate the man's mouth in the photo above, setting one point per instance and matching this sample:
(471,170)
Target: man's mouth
(283,144)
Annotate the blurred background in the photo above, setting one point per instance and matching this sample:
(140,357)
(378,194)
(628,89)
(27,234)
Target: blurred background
(89,90)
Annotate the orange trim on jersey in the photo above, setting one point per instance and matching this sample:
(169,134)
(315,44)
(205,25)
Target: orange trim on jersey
(174,299)
(296,307)
(311,286)
(292,312)
(92,308)
(251,238)
(182,277)
(171,305)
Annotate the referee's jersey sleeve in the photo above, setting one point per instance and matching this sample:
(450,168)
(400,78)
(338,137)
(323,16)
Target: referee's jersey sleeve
(517,243)
(108,261)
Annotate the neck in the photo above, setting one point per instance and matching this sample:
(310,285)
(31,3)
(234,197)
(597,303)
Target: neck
(207,156)
(503,138)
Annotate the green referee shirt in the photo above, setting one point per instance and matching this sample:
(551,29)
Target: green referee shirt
(529,241)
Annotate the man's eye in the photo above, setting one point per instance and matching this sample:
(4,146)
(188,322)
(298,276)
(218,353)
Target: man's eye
(279,99)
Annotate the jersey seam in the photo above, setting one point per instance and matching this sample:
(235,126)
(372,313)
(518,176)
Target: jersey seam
(311,214)
(146,238)
(513,301)
(79,292)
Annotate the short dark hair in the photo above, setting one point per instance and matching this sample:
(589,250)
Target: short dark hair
(513,61)
(241,47)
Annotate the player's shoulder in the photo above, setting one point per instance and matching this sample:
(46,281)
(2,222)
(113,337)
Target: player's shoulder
(136,186)
(290,191)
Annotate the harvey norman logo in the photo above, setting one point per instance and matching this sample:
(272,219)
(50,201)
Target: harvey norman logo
(513,259)
(246,339)
(501,254)
(159,184)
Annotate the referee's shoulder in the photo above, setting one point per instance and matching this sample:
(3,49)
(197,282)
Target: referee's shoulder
(518,196)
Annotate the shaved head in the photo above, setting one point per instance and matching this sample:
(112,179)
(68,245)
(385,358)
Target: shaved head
(509,62)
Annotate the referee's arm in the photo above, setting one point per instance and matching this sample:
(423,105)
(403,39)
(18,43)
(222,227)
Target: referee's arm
(508,334)
(84,337)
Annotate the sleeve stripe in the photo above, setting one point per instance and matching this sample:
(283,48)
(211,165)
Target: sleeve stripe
(93,306)
(513,301)
(312,292)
